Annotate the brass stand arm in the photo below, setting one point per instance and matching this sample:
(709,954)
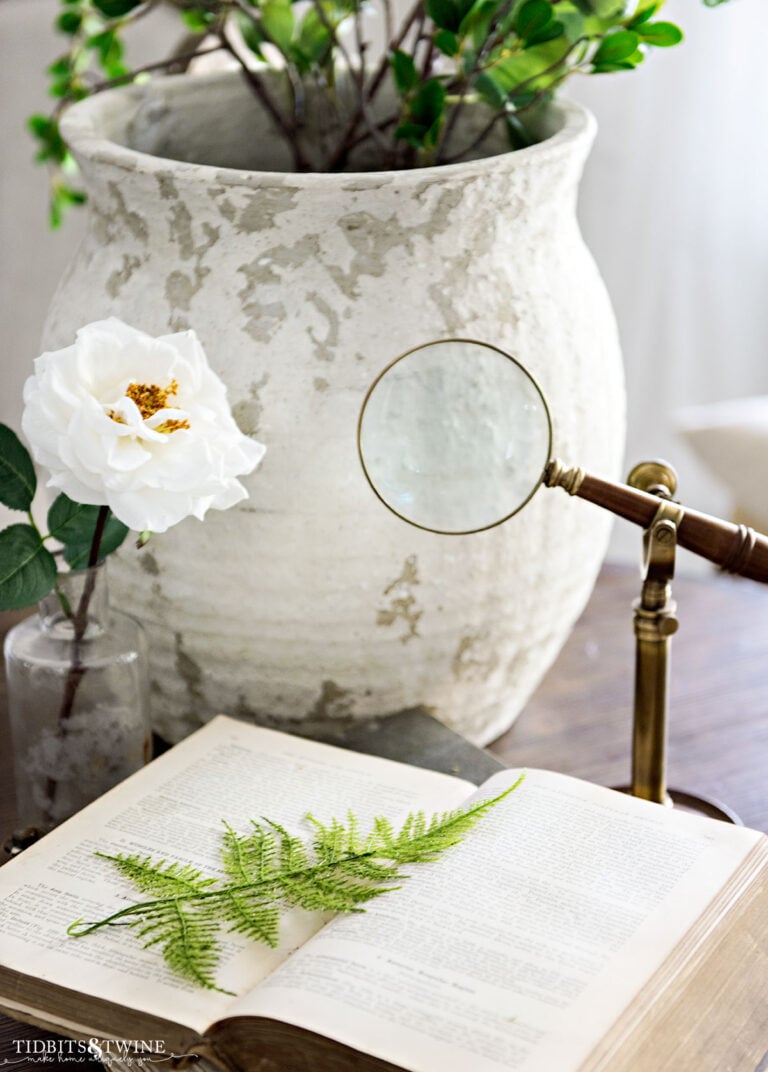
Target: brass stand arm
(734,548)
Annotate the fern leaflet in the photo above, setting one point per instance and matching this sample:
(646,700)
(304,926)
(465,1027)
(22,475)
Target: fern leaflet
(268,868)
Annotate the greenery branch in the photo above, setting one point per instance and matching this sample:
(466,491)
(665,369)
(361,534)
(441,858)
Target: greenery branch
(268,869)
(507,56)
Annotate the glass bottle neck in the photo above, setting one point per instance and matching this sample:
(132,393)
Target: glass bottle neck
(78,605)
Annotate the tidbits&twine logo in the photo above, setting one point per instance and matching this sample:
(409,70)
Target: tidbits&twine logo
(136,1053)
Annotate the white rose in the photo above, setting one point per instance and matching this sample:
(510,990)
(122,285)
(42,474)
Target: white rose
(139,424)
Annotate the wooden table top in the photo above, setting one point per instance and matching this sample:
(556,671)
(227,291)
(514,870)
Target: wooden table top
(579,720)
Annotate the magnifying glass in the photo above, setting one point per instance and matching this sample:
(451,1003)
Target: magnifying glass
(456,437)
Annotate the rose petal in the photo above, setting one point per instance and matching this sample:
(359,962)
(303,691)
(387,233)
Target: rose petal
(83,427)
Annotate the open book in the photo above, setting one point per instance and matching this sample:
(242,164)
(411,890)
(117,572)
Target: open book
(574,929)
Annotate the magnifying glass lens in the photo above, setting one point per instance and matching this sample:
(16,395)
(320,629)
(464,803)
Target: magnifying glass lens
(454,436)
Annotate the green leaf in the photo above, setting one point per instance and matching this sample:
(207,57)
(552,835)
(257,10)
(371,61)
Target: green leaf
(611,68)
(115,9)
(428,102)
(18,481)
(27,569)
(46,130)
(70,196)
(550,32)
(404,72)
(573,24)
(525,98)
(535,68)
(160,879)
(109,49)
(661,34)
(644,13)
(198,20)
(73,524)
(313,41)
(533,17)
(425,115)
(251,34)
(607,9)
(447,43)
(412,133)
(490,91)
(69,22)
(616,47)
(476,23)
(60,68)
(39,125)
(277,20)
(517,135)
(446,14)
(62,198)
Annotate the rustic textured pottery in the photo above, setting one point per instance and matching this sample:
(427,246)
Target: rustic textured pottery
(311,602)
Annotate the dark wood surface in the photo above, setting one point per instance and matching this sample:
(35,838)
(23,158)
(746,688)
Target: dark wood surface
(579,720)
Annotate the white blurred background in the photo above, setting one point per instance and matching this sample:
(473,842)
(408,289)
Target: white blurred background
(674,206)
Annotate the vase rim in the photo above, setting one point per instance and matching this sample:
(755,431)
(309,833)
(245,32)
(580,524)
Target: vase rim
(82,123)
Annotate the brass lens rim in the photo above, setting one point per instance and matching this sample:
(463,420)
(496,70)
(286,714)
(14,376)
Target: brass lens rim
(528,376)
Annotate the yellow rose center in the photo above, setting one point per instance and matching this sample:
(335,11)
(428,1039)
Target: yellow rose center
(149,399)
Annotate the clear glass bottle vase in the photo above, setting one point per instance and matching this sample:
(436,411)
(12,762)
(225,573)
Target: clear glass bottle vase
(78,700)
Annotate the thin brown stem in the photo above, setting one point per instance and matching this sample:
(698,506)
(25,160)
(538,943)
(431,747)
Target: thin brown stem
(450,124)
(160,65)
(429,57)
(297,86)
(368,116)
(549,70)
(98,536)
(287,129)
(388,20)
(77,671)
(139,12)
(538,95)
(486,130)
(339,156)
(381,125)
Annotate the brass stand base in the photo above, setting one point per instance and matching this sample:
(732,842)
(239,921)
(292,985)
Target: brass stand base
(678,798)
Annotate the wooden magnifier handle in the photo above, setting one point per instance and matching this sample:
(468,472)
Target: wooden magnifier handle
(735,548)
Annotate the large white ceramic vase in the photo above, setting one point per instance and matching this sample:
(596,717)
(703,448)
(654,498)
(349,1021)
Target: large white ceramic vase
(310,602)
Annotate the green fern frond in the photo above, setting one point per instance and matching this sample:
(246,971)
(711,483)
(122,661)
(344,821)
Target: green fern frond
(250,914)
(292,852)
(331,843)
(159,878)
(249,857)
(269,868)
(188,936)
(355,842)
(382,837)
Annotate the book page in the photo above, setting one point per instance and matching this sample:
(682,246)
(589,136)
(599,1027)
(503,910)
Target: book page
(519,947)
(174,809)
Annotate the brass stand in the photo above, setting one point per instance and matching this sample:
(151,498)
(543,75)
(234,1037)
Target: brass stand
(655,624)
